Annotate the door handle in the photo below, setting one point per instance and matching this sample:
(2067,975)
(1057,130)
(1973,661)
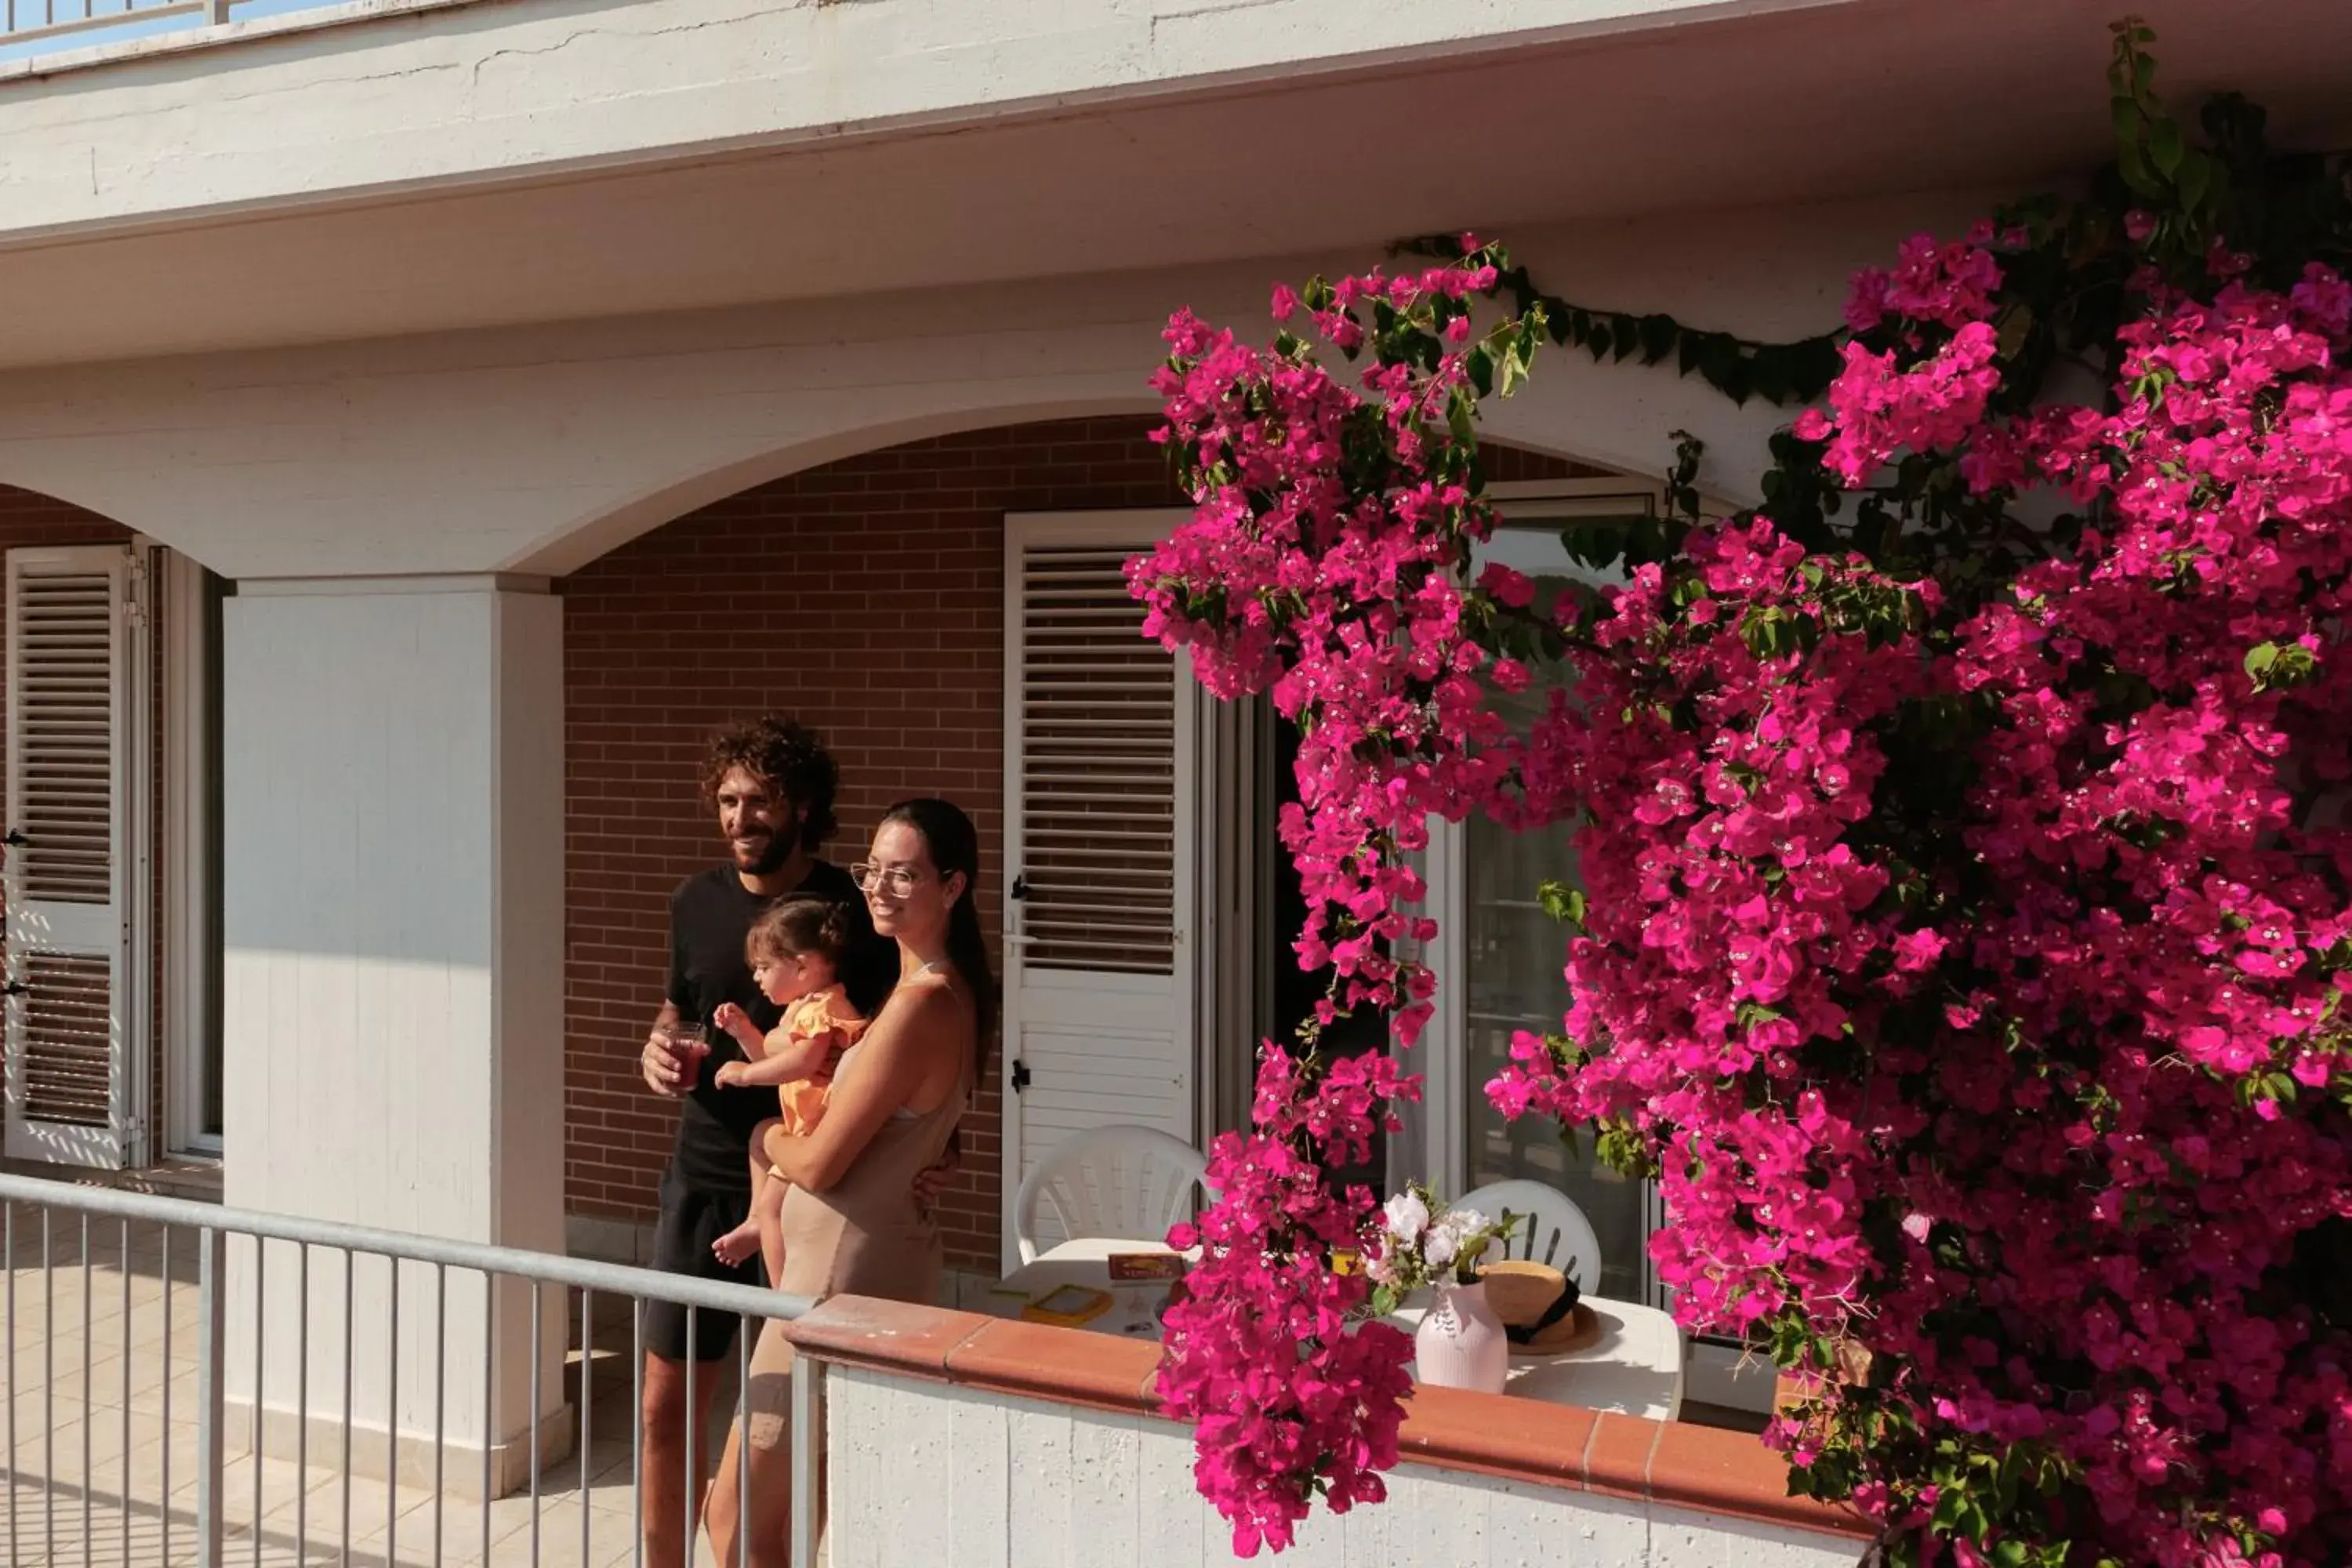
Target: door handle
(15,988)
(1020,886)
(14,840)
(1020,1075)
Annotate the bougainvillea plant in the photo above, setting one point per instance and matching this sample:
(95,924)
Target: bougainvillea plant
(1967,914)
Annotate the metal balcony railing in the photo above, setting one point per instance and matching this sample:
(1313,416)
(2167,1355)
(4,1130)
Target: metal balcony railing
(22,21)
(33,29)
(186,1383)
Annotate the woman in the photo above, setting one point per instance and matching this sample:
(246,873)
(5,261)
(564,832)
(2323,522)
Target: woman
(851,1223)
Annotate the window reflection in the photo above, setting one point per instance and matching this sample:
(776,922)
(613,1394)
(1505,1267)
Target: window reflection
(1515,956)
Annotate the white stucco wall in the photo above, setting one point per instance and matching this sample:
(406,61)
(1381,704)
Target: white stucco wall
(421,165)
(388,98)
(536,449)
(945,1476)
(393,969)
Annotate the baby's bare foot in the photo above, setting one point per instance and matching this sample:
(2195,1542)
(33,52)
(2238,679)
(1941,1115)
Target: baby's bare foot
(737,1245)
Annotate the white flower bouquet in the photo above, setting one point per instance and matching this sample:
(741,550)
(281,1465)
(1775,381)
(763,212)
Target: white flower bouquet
(1420,1242)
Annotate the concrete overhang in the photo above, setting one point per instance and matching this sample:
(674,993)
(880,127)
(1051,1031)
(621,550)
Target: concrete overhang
(428,167)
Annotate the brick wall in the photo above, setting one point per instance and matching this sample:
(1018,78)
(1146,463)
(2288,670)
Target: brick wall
(864,597)
(1510,465)
(28,518)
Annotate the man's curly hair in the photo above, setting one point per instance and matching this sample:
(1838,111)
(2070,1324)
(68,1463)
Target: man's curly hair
(787,756)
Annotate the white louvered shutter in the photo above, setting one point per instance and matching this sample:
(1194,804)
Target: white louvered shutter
(69,1038)
(1100,812)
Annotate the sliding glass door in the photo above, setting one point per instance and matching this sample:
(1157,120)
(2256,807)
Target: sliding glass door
(1500,962)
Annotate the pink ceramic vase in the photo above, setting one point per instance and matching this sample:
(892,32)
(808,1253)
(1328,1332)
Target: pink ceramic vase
(1460,1342)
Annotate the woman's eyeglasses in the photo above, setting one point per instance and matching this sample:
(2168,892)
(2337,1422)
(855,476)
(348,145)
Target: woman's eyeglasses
(897,880)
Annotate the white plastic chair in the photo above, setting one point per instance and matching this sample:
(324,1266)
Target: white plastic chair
(1114,1184)
(1551,1228)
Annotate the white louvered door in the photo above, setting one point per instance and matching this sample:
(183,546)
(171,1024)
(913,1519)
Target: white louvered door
(71,1043)
(1100,818)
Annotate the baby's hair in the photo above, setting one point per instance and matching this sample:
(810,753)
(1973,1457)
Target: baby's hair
(817,928)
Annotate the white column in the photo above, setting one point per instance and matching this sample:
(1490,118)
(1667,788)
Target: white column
(392,920)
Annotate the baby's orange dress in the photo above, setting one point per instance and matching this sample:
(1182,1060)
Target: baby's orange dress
(823,1014)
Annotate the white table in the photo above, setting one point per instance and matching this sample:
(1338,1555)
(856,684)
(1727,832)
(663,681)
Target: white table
(1634,1366)
(1087,1263)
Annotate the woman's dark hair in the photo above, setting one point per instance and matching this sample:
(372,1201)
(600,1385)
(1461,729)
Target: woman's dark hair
(787,756)
(820,928)
(954,845)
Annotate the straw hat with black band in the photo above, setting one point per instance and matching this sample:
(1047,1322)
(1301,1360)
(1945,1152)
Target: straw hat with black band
(1537,1305)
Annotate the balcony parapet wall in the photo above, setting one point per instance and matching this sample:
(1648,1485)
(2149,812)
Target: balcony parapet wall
(956,1438)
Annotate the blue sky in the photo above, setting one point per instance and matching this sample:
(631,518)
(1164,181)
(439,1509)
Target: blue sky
(32,13)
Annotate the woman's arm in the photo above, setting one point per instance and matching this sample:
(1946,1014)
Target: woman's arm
(917,1041)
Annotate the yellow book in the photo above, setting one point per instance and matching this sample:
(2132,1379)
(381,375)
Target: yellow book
(1070,1307)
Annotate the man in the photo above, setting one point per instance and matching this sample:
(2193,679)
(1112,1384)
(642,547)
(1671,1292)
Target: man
(772,784)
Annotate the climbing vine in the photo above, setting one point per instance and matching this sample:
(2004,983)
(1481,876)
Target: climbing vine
(1740,368)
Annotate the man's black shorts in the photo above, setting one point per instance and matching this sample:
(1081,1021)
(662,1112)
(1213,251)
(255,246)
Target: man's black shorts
(690,1221)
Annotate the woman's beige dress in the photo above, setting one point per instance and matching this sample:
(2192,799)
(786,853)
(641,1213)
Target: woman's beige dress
(865,1238)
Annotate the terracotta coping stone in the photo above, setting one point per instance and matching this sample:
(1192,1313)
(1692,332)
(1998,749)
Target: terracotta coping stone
(1705,1469)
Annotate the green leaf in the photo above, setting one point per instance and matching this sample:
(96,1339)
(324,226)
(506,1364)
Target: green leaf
(1527,340)
(1767,632)
(1718,359)
(1739,379)
(2218,174)
(1593,335)
(2016,322)
(1820,363)
(2164,148)
(1658,335)
(1514,371)
(2271,665)
(2195,180)
(2124,114)
(1626,335)
(1461,419)
(1562,902)
(1595,543)
(1480,366)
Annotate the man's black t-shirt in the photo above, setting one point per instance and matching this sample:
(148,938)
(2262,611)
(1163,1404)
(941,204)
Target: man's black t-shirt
(710,916)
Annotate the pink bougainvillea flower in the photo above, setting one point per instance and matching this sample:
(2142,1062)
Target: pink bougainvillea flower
(1963,935)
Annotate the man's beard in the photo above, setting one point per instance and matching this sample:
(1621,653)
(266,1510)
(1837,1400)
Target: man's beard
(781,845)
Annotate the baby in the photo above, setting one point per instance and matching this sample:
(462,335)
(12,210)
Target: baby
(795,952)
